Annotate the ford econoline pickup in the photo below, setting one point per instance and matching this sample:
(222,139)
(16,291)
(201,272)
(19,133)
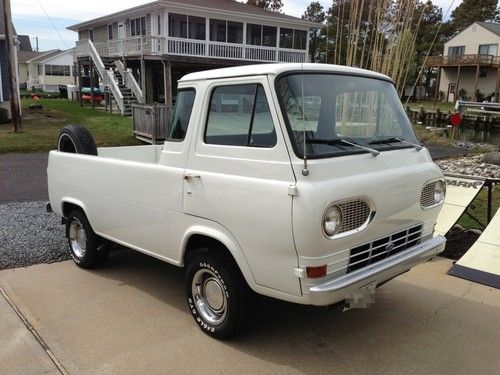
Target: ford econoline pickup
(301,182)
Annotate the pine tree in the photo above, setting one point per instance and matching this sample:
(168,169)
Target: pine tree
(274,5)
(315,13)
(470,11)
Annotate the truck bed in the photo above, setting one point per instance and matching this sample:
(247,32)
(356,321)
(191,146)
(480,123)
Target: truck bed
(141,154)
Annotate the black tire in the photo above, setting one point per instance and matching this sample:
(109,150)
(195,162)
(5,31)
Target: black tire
(219,275)
(76,139)
(85,247)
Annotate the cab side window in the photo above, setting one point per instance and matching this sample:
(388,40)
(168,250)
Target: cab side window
(239,115)
(181,115)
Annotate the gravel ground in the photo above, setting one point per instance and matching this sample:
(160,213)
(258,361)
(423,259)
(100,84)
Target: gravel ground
(30,235)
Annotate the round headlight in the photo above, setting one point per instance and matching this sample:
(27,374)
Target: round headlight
(332,220)
(439,191)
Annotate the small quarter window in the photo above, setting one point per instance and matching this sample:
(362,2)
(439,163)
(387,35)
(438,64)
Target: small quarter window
(239,115)
(181,115)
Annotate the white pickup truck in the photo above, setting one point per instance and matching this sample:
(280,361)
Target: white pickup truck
(304,183)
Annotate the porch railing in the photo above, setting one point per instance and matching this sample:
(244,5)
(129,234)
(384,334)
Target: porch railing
(158,46)
(469,59)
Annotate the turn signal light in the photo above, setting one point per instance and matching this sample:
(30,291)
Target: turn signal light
(316,272)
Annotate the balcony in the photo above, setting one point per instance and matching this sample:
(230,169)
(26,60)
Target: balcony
(462,60)
(161,46)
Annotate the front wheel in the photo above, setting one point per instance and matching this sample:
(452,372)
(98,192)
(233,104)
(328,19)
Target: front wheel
(216,295)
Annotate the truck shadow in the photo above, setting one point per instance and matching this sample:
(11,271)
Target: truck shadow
(407,326)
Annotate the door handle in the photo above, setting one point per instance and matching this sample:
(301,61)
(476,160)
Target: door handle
(190,177)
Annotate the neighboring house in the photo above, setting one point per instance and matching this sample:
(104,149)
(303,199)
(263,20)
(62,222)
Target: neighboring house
(470,62)
(23,58)
(48,70)
(4,71)
(159,42)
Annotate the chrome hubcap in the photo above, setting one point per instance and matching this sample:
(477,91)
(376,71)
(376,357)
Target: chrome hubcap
(209,296)
(77,238)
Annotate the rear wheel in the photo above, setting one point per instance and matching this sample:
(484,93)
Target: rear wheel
(85,247)
(216,295)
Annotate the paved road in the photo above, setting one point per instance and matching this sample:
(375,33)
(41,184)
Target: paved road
(131,317)
(23,177)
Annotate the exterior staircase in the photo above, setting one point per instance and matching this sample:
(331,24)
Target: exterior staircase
(118,80)
(129,98)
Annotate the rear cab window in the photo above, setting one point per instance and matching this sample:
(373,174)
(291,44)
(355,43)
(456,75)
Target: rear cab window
(181,115)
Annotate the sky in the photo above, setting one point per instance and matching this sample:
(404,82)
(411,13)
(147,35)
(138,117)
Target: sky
(30,17)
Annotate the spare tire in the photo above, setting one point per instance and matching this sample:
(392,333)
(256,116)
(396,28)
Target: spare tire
(77,140)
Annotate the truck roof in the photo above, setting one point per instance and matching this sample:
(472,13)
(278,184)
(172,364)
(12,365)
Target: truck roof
(275,69)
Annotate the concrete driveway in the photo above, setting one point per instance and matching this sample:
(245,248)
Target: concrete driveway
(131,317)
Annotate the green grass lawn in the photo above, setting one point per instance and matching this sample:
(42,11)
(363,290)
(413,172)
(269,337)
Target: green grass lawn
(431,105)
(479,210)
(41,127)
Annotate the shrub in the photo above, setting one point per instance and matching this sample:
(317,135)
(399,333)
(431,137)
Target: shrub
(4,116)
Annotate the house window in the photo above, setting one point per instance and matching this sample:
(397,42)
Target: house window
(226,31)
(234,32)
(293,39)
(239,115)
(197,29)
(158,25)
(300,39)
(177,25)
(218,30)
(57,70)
(488,49)
(286,38)
(269,36)
(138,26)
(91,35)
(110,32)
(456,51)
(183,26)
(258,35)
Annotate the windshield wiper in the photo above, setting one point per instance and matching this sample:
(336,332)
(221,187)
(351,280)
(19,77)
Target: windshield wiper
(337,141)
(394,140)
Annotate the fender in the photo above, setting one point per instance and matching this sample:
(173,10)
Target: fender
(74,201)
(221,234)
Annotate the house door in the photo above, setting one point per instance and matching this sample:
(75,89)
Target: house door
(121,30)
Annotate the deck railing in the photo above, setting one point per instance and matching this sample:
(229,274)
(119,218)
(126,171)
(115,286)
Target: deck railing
(470,59)
(158,46)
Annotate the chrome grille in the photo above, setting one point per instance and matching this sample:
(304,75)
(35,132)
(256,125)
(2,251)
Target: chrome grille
(354,214)
(383,248)
(427,196)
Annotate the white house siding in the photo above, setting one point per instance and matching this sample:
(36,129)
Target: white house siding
(51,83)
(472,37)
(485,85)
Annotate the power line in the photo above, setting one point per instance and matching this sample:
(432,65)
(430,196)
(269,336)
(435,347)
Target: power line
(52,23)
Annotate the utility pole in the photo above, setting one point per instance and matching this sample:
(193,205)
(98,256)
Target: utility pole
(11,62)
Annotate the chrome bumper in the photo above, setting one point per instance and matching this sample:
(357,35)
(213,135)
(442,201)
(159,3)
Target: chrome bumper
(336,290)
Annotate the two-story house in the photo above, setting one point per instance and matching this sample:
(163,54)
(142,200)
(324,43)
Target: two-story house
(141,52)
(470,64)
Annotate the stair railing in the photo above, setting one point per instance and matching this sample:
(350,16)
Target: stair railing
(107,76)
(130,82)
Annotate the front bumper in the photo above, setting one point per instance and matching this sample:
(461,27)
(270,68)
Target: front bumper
(337,290)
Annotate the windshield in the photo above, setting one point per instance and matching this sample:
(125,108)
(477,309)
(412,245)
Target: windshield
(330,108)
